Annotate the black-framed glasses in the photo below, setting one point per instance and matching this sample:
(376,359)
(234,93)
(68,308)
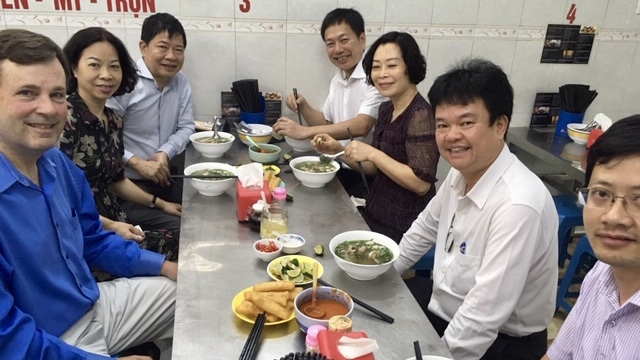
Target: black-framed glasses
(601,198)
(448,242)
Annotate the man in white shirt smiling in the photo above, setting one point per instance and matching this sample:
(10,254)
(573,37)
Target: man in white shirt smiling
(157,117)
(493,223)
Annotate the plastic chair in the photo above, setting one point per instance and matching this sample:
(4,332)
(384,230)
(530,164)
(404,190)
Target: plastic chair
(582,260)
(569,216)
(424,266)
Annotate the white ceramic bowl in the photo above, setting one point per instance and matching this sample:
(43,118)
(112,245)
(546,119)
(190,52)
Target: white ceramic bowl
(578,136)
(363,272)
(211,150)
(324,292)
(291,243)
(262,135)
(309,179)
(267,256)
(301,146)
(211,187)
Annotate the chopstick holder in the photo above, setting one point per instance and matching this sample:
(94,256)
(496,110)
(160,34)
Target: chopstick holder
(249,348)
(364,178)
(380,314)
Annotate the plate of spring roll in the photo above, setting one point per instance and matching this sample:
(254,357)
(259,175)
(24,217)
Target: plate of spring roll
(273,297)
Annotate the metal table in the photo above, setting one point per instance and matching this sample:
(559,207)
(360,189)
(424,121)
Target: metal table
(559,154)
(217,261)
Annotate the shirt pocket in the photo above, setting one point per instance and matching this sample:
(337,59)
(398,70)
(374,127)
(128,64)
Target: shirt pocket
(462,273)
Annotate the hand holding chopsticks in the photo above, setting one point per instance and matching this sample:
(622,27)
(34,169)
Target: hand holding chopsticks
(382,315)
(364,177)
(249,349)
(295,95)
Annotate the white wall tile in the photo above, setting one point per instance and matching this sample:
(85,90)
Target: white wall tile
(168,6)
(621,14)
(409,12)
(500,12)
(528,76)
(543,12)
(588,12)
(209,8)
(373,11)
(262,57)
(309,10)
(272,10)
(498,51)
(573,73)
(444,53)
(631,102)
(611,74)
(455,12)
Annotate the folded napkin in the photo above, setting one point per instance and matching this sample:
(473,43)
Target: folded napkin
(251,175)
(352,348)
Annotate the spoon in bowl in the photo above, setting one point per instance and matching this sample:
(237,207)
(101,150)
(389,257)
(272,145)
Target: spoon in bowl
(312,310)
(215,128)
(260,149)
(325,159)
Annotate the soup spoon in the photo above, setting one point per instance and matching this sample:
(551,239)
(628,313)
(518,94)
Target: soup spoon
(325,159)
(255,144)
(313,310)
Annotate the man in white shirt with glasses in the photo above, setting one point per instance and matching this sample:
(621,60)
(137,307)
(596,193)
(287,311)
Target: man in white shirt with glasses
(493,224)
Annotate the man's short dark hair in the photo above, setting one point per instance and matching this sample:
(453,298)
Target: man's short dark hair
(475,79)
(413,58)
(89,36)
(25,47)
(159,23)
(341,15)
(622,139)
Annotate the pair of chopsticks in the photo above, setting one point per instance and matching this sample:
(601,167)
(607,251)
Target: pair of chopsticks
(204,176)
(249,348)
(295,95)
(364,178)
(382,315)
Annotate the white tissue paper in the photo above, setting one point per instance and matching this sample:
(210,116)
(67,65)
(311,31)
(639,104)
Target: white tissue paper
(251,175)
(352,348)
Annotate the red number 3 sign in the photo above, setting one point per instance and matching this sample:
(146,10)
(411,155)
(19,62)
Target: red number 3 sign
(245,6)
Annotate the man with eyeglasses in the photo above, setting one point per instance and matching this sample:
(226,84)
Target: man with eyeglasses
(606,318)
(493,224)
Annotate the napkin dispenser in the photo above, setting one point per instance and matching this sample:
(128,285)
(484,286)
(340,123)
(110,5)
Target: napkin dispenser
(245,197)
(328,344)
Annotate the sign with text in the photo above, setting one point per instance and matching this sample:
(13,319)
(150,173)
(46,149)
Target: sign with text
(119,6)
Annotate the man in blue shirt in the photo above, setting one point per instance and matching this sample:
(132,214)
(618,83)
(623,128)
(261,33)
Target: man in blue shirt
(158,119)
(50,305)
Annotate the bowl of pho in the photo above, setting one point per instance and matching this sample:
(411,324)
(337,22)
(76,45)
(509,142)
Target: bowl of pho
(211,186)
(364,255)
(210,147)
(299,146)
(312,172)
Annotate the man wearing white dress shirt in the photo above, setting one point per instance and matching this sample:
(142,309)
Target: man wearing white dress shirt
(157,117)
(493,224)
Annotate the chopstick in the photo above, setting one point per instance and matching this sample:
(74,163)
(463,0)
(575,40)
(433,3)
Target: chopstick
(295,95)
(254,337)
(416,348)
(204,176)
(382,315)
(364,178)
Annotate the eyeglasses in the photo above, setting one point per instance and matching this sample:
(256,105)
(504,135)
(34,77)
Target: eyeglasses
(448,242)
(602,199)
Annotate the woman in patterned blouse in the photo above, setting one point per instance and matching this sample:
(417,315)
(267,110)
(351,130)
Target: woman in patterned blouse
(404,155)
(92,137)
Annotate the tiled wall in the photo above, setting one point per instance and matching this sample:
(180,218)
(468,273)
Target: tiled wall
(278,41)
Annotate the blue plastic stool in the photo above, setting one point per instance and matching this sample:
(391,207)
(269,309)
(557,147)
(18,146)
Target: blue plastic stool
(425,265)
(569,216)
(582,260)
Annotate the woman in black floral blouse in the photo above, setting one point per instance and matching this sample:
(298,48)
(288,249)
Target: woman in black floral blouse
(93,134)
(404,155)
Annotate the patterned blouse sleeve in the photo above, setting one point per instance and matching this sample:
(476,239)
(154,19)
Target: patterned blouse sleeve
(117,123)
(69,137)
(422,150)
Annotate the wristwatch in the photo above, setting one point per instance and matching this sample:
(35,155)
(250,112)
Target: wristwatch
(153,202)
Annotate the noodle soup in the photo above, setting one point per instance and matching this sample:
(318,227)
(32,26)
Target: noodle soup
(315,167)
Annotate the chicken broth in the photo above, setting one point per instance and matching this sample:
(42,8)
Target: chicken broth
(364,252)
(212,172)
(315,167)
(210,140)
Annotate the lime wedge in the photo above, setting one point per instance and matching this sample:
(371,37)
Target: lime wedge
(294,273)
(276,269)
(319,249)
(295,262)
(298,279)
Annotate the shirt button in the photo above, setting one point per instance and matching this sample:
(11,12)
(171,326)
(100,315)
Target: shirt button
(443,270)
(613,323)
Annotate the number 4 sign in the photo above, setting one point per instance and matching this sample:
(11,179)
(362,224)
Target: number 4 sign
(571,15)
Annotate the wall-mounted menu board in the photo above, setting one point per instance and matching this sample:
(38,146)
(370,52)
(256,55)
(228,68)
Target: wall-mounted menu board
(568,44)
(546,108)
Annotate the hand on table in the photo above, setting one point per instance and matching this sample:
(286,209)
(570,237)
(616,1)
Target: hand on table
(169,207)
(127,231)
(290,128)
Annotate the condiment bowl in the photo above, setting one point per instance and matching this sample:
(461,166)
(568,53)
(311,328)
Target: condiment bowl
(211,150)
(265,157)
(310,179)
(211,187)
(578,136)
(358,271)
(291,243)
(324,292)
(261,135)
(301,146)
(264,255)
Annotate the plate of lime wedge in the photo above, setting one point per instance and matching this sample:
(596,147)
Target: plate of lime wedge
(297,268)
